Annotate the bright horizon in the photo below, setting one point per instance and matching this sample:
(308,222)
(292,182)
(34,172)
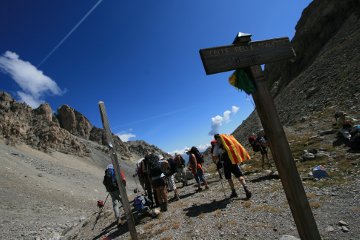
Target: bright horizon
(140,58)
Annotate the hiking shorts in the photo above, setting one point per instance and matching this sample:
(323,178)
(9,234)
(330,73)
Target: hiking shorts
(159,182)
(232,168)
(171,183)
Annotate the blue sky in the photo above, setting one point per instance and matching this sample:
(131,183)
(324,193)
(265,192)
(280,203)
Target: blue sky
(140,57)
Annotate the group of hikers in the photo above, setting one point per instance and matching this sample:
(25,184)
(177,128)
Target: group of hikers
(156,174)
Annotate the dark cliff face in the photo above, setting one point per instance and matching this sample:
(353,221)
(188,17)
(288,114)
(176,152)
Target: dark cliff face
(319,23)
(325,75)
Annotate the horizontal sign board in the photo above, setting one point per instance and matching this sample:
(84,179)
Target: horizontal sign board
(226,58)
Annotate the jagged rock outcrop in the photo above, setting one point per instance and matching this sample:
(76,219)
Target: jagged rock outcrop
(67,131)
(36,127)
(326,73)
(73,121)
(140,148)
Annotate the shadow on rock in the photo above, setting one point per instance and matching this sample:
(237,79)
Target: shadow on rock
(196,210)
(105,230)
(264,178)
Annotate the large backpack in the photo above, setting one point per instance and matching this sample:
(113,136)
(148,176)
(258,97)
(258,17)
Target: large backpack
(110,180)
(354,142)
(153,165)
(141,202)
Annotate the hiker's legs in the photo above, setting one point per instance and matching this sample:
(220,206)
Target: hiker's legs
(183,176)
(202,178)
(231,184)
(197,179)
(235,169)
(115,198)
(148,188)
(142,183)
(218,167)
(172,187)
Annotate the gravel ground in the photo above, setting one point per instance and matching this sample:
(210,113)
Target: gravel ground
(211,215)
(42,195)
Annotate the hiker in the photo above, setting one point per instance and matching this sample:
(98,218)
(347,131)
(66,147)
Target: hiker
(196,168)
(348,129)
(169,169)
(157,180)
(345,123)
(113,189)
(180,169)
(220,154)
(140,174)
(147,183)
(217,163)
(259,144)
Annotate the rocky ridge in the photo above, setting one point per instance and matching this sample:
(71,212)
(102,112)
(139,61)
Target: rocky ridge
(65,131)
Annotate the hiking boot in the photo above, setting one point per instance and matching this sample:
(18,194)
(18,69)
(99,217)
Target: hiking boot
(120,222)
(199,189)
(248,194)
(233,194)
(163,207)
(206,187)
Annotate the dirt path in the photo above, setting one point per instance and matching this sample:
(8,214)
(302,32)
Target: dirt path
(44,194)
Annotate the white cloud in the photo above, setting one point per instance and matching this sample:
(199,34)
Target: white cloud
(30,100)
(32,81)
(126,136)
(218,121)
(234,109)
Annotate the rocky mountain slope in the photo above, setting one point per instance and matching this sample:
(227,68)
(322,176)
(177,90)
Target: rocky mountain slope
(325,75)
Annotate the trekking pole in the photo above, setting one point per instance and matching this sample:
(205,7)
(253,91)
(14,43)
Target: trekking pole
(101,208)
(221,181)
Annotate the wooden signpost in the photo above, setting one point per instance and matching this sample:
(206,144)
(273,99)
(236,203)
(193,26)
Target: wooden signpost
(115,162)
(246,54)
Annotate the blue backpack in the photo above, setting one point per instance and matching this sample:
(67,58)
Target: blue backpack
(141,203)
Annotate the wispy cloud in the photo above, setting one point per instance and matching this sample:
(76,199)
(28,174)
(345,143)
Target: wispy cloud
(218,121)
(34,84)
(71,31)
(155,117)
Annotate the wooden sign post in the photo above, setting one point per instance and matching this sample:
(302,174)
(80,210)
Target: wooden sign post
(115,162)
(244,53)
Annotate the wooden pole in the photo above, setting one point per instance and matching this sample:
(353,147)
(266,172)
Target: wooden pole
(283,158)
(115,162)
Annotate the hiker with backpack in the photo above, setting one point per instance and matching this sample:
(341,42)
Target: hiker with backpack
(169,168)
(259,144)
(157,178)
(217,163)
(195,165)
(180,169)
(150,192)
(220,154)
(113,189)
(348,129)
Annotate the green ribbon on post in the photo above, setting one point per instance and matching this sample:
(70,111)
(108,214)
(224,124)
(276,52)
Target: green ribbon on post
(241,80)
